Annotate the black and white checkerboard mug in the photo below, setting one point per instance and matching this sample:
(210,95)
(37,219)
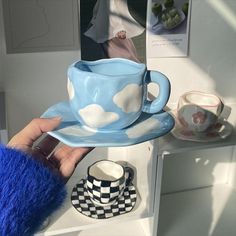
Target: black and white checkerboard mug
(106,181)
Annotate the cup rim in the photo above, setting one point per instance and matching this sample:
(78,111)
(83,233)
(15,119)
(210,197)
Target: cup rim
(97,179)
(141,66)
(217,98)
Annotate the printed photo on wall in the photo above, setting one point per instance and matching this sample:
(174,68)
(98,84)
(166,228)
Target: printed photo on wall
(168,28)
(113,28)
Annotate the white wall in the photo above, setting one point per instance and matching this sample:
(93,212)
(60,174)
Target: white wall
(196,169)
(33,82)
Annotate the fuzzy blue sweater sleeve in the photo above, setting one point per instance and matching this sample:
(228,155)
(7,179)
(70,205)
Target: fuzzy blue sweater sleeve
(29,192)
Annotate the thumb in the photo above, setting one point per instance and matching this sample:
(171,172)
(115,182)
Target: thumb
(34,130)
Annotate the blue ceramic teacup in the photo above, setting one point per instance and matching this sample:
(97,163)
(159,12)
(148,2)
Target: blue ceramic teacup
(111,94)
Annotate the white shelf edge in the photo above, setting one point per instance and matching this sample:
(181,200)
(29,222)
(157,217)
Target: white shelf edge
(67,219)
(130,228)
(168,144)
(207,211)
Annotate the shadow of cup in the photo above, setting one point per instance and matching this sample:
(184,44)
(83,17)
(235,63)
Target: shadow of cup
(226,112)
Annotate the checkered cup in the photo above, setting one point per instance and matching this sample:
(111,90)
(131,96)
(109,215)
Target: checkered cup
(106,181)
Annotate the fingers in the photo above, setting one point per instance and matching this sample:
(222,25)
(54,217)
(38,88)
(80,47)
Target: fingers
(34,130)
(68,158)
(71,154)
(78,154)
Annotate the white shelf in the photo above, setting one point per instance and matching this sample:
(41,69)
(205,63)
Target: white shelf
(201,212)
(131,228)
(168,144)
(68,219)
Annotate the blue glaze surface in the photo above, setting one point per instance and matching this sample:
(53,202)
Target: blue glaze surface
(111,94)
(75,134)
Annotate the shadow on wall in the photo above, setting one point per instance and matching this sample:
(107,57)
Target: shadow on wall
(195,171)
(218,61)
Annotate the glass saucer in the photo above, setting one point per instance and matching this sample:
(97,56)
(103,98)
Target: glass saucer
(220,130)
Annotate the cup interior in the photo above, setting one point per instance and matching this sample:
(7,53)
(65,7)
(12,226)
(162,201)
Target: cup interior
(106,170)
(203,100)
(111,68)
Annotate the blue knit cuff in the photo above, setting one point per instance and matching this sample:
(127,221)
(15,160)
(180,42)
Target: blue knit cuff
(29,193)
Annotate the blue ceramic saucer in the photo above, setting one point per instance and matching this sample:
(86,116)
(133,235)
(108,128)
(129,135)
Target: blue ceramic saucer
(73,133)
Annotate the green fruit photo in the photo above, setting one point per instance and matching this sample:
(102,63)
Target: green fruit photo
(171,18)
(173,12)
(177,19)
(157,9)
(170,14)
(185,8)
(168,3)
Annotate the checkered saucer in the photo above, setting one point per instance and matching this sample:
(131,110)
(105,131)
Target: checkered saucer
(82,202)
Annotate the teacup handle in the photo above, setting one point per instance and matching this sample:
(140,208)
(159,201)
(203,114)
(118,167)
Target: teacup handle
(129,175)
(164,92)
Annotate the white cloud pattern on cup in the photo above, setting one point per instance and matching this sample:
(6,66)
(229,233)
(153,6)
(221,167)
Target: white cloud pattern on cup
(95,116)
(143,128)
(131,93)
(70,89)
